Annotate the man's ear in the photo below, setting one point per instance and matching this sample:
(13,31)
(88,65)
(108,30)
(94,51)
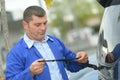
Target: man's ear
(25,24)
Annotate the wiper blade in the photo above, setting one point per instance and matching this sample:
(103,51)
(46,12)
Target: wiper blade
(64,60)
(73,60)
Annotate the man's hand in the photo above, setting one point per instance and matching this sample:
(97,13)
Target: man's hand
(37,67)
(110,58)
(82,57)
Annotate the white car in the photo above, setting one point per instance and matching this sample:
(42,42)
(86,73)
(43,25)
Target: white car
(108,44)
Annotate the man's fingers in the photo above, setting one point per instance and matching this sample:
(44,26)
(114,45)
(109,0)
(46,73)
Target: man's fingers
(82,57)
(41,60)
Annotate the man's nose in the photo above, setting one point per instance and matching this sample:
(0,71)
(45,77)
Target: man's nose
(43,27)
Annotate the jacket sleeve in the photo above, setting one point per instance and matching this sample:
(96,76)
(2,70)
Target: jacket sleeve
(68,54)
(72,66)
(15,68)
(116,52)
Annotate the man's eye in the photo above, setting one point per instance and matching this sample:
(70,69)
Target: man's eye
(37,25)
(45,23)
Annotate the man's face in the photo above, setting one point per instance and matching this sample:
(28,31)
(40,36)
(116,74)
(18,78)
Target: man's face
(36,28)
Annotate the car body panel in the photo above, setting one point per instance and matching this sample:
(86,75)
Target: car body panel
(109,37)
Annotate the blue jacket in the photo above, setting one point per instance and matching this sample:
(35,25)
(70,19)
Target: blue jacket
(20,58)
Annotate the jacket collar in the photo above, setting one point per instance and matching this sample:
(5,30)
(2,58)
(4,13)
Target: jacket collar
(30,42)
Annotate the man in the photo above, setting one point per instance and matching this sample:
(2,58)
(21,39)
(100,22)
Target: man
(27,60)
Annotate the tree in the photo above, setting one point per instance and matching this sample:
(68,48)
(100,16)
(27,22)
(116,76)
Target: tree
(81,11)
(4,29)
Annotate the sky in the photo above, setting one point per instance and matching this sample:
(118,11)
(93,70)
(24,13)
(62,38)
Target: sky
(16,7)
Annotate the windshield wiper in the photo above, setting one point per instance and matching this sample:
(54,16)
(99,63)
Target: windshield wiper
(73,60)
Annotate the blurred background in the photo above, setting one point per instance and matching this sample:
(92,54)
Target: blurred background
(76,22)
